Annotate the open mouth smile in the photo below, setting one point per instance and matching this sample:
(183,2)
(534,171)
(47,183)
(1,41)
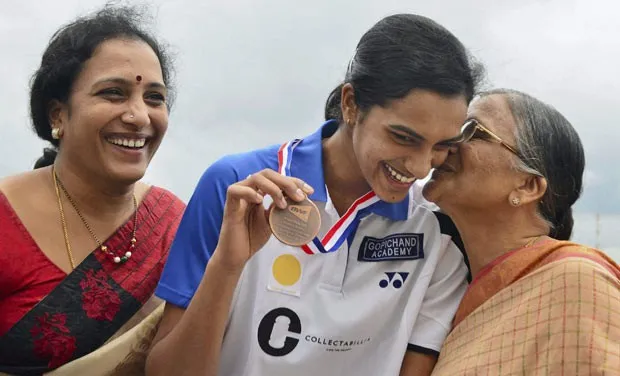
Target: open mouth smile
(398,176)
(130,143)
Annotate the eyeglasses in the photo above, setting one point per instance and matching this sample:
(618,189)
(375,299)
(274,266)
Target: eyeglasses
(473,129)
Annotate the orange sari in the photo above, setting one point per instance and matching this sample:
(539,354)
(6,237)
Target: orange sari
(551,309)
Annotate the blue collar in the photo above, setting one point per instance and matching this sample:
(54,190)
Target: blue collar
(307,164)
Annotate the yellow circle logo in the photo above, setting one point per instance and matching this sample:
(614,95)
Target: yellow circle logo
(286,270)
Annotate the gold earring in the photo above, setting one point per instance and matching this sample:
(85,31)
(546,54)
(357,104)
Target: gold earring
(56,133)
(515,201)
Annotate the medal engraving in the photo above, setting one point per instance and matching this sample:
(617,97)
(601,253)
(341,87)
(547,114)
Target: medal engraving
(297,224)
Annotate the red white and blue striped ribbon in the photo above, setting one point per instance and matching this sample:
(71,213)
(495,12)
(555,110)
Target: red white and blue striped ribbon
(284,156)
(339,232)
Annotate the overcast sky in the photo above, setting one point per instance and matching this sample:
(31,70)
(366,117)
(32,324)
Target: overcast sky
(254,73)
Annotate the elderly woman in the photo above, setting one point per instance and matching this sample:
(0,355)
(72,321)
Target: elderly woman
(83,241)
(538,304)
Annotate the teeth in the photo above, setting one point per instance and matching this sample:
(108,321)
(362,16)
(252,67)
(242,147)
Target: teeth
(128,143)
(397,176)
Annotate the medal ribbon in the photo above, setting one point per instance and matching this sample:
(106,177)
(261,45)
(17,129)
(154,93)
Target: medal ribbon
(339,232)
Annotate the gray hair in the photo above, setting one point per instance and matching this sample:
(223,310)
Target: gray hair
(548,145)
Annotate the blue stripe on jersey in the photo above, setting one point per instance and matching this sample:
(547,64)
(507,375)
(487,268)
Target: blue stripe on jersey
(199,229)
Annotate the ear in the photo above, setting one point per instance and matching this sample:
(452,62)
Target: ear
(56,114)
(531,189)
(349,108)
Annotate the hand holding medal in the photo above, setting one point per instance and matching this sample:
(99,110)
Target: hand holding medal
(301,224)
(245,224)
(297,224)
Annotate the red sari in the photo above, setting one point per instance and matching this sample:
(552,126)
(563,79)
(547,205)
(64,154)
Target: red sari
(48,318)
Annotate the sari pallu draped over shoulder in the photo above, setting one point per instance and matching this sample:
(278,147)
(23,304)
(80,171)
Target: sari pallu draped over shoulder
(552,309)
(100,300)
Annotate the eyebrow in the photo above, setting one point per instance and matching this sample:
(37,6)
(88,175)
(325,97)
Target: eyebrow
(413,134)
(122,81)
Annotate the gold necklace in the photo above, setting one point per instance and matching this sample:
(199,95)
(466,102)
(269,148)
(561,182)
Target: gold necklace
(62,221)
(531,242)
(116,258)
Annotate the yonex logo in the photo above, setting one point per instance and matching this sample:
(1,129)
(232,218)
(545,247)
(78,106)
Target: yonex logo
(396,279)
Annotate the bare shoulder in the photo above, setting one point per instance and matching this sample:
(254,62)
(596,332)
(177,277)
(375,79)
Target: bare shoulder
(26,187)
(32,199)
(15,181)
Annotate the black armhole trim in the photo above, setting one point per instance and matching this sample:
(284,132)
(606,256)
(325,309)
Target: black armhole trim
(448,227)
(422,350)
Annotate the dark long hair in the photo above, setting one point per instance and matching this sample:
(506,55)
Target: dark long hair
(69,48)
(401,53)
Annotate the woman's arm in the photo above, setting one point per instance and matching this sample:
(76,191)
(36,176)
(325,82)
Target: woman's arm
(418,364)
(189,341)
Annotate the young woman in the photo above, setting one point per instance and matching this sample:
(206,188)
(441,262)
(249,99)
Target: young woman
(380,295)
(83,241)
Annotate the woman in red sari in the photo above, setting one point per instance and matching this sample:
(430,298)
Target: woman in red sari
(82,240)
(538,303)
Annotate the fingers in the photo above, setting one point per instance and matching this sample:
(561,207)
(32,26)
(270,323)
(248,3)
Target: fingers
(237,194)
(270,182)
(252,190)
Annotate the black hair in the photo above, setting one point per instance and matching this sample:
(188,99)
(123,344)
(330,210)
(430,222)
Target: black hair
(401,53)
(47,159)
(548,144)
(69,48)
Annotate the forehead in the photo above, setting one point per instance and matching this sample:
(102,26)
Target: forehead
(493,111)
(122,58)
(432,115)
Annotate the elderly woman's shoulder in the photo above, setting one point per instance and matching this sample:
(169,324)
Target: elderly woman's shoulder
(577,260)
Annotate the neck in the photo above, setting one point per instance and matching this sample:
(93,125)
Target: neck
(343,177)
(94,196)
(489,234)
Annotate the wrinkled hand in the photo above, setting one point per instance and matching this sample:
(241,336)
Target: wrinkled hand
(245,227)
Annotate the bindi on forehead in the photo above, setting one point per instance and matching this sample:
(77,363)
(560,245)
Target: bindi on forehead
(138,78)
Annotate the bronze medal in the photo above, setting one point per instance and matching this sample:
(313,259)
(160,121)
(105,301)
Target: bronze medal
(297,224)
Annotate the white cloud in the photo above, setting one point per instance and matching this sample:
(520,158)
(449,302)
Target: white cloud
(252,73)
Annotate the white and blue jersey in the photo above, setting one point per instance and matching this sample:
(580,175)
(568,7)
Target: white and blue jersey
(392,286)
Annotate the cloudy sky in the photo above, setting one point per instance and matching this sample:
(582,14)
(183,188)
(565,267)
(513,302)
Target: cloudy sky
(253,73)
